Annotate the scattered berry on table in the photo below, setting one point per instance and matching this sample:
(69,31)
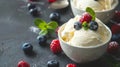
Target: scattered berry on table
(93,25)
(31,6)
(116,16)
(53,63)
(27,47)
(71,65)
(51,1)
(77,25)
(115,37)
(86,17)
(54,16)
(113,47)
(23,64)
(115,28)
(55,46)
(34,12)
(42,40)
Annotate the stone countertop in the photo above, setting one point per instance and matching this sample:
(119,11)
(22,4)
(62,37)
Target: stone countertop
(15,22)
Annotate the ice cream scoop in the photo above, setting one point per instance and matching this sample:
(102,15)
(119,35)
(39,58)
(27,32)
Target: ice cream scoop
(83,37)
(59,4)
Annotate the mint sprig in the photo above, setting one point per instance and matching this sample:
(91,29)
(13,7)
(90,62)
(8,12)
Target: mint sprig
(85,25)
(52,25)
(45,27)
(91,12)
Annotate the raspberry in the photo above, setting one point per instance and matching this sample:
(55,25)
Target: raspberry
(115,28)
(55,46)
(113,47)
(23,64)
(116,17)
(86,17)
(117,13)
(71,65)
(51,1)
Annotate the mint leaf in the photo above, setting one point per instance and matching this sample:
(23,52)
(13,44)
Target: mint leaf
(41,24)
(52,25)
(43,32)
(117,65)
(45,27)
(91,12)
(85,25)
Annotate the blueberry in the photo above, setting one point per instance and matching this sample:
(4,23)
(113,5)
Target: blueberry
(77,25)
(31,6)
(42,40)
(34,12)
(115,37)
(93,25)
(54,16)
(119,35)
(27,47)
(53,63)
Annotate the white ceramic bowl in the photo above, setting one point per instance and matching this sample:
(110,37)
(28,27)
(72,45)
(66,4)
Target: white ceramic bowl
(83,54)
(104,16)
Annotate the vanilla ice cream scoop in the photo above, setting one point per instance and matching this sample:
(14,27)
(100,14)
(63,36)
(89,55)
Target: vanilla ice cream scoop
(83,37)
(97,5)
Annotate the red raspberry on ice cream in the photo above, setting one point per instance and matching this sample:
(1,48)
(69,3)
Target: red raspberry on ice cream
(86,17)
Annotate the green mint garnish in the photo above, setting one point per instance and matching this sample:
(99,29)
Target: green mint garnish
(85,25)
(52,25)
(43,32)
(44,27)
(91,12)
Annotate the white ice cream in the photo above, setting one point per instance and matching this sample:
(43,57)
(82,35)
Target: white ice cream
(59,4)
(83,37)
(99,5)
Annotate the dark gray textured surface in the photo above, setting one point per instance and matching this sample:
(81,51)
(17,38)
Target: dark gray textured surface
(15,21)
